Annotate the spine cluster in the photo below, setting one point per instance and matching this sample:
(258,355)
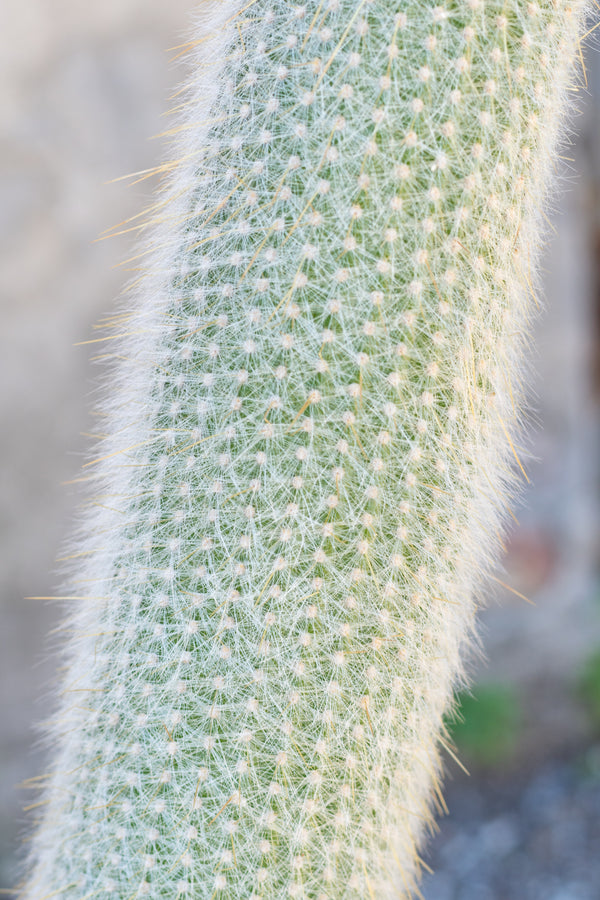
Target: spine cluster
(310,443)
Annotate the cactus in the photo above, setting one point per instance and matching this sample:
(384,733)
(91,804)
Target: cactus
(310,443)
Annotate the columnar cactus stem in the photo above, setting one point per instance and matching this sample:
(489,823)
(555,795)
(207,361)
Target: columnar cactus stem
(309,450)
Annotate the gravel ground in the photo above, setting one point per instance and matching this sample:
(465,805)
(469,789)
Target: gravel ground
(521,838)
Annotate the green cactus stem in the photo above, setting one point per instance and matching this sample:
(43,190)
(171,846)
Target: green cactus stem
(310,448)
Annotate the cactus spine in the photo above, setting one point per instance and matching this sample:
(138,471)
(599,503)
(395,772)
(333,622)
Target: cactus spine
(308,452)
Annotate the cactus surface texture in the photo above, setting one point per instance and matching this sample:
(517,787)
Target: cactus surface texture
(309,447)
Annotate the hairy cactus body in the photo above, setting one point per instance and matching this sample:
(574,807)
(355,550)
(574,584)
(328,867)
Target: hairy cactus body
(308,455)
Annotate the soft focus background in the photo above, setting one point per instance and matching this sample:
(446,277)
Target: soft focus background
(82,89)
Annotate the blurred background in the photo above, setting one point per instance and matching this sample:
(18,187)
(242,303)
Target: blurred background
(83,87)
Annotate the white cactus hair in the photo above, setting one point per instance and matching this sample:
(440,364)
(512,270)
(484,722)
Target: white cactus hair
(310,446)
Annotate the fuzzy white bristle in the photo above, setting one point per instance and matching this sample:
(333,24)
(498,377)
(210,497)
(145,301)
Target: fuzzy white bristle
(311,445)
